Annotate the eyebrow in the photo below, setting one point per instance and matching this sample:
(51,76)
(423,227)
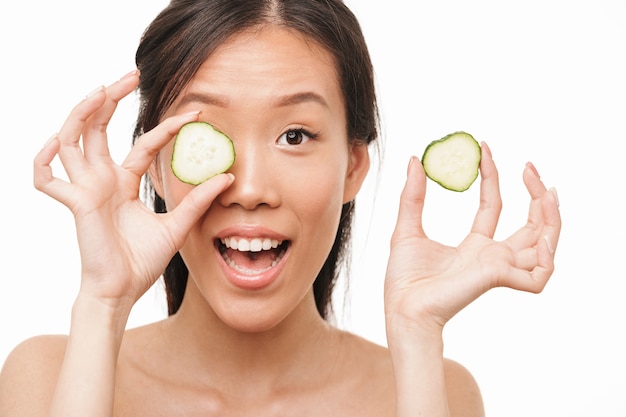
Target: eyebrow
(282,101)
(298,98)
(203,98)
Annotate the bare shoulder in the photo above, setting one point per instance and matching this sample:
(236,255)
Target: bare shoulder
(28,376)
(365,376)
(464,397)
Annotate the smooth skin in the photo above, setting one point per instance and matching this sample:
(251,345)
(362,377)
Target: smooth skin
(232,352)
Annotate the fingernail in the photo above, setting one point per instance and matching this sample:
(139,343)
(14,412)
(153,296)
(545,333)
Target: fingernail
(94,92)
(550,248)
(486,149)
(191,113)
(411,160)
(231,176)
(533,169)
(50,139)
(556,196)
(130,74)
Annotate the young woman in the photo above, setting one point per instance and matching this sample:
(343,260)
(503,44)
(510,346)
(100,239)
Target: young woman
(291,83)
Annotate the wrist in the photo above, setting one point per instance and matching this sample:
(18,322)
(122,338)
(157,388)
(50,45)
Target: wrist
(407,335)
(419,326)
(86,382)
(95,314)
(416,351)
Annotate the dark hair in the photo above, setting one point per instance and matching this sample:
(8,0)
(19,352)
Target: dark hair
(186,32)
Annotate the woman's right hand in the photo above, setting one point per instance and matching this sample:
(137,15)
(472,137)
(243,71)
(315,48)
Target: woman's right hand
(124,246)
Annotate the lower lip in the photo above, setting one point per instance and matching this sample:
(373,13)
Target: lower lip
(251,282)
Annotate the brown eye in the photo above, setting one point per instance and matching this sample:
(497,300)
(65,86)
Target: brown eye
(295,137)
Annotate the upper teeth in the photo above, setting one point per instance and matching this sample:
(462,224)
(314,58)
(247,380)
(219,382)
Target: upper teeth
(250,245)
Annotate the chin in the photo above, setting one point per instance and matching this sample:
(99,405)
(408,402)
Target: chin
(249,319)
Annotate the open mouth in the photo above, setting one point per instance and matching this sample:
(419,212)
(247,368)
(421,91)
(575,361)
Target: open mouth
(252,256)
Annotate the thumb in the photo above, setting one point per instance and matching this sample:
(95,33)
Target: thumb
(195,204)
(412,202)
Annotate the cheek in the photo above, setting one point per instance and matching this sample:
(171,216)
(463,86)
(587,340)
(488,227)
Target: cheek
(322,184)
(318,198)
(318,214)
(173,189)
(322,199)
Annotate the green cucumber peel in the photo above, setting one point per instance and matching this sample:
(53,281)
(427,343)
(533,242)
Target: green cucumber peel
(201,152)
(453,161)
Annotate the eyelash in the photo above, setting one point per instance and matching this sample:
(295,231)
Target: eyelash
(300,131)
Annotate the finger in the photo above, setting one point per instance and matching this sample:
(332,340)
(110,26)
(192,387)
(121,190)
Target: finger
(525,243)
(42,171)
(543,216)
(530,281)
(536,279)
(526,259)
(69,136)
(551,219)
(545,261)
(544,208)
(149,144)
(486,219)
(412,202)
(94,137)
(194,205)
(43,178)
(533,182)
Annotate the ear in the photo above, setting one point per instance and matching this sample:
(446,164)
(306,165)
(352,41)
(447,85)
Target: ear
(154,173)
(359,165)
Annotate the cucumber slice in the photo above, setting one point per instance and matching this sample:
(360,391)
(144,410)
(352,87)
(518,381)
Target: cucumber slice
(453,161)
(201,152)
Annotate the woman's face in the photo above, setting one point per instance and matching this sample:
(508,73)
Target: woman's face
(254,255)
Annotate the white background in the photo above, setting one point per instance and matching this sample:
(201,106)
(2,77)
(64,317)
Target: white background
(542,80)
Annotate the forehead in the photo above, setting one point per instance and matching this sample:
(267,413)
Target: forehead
(266,63)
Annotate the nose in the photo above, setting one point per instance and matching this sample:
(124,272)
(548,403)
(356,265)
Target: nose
(253,186)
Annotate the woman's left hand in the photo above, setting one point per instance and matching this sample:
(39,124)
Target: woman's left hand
(427,283)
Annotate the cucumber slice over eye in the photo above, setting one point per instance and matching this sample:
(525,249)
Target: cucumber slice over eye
(201,152)
(453,161)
